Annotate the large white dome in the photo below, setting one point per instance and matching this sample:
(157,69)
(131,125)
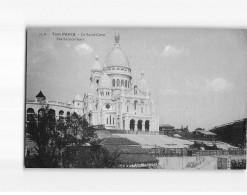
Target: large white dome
(117,57)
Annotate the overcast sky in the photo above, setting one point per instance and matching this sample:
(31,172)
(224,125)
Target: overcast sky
(197,77)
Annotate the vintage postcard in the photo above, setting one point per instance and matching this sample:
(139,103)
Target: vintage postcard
(154,98)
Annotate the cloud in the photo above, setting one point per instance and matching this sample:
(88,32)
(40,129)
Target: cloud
(219,84)
(83,49)
(171,51)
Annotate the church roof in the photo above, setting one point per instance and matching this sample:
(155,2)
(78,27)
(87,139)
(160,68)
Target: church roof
(40,94)
(78,97)
(130,152)
(117,57)
(105,81)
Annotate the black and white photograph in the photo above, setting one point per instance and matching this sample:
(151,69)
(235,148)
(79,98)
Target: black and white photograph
(135,98)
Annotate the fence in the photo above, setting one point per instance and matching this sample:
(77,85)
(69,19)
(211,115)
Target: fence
(173,152)
(220,152)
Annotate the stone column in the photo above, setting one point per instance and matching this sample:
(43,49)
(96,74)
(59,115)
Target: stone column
(136,129)
(151,124)
(143,125)
(127,124)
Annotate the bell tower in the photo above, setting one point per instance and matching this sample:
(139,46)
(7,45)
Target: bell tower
(96,71)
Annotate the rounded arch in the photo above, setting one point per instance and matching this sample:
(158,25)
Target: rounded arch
(135,104)
(113,82)
(147,125)
(132,124)
(126,83)
(61,113)
(30,110)
(41,113)
(118,82)
(30,114)
(139,125)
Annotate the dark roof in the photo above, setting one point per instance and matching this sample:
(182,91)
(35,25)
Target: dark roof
(129,152)
(40,94)
(166,126)
(117,141)
(136,158)
(123,149)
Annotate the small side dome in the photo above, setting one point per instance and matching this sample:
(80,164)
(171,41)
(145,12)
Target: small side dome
(96,64)
(77,97)
(92,89)
(105,81)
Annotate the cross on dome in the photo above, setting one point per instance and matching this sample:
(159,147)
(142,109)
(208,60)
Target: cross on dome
(117,37)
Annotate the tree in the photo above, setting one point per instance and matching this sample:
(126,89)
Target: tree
(41,131)
(66,142)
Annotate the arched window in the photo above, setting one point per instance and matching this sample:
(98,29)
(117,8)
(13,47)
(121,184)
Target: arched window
(127,108)
(139,125)
(135,104)
(30,114)
(113,82)
(132,124)
(110,119)
(113,120)
(118,82)
(61,112)
(107,121)
(135,89)
(126,83)
(147,125)
(68,113)
(41,113)
(122,82)
(141,109)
